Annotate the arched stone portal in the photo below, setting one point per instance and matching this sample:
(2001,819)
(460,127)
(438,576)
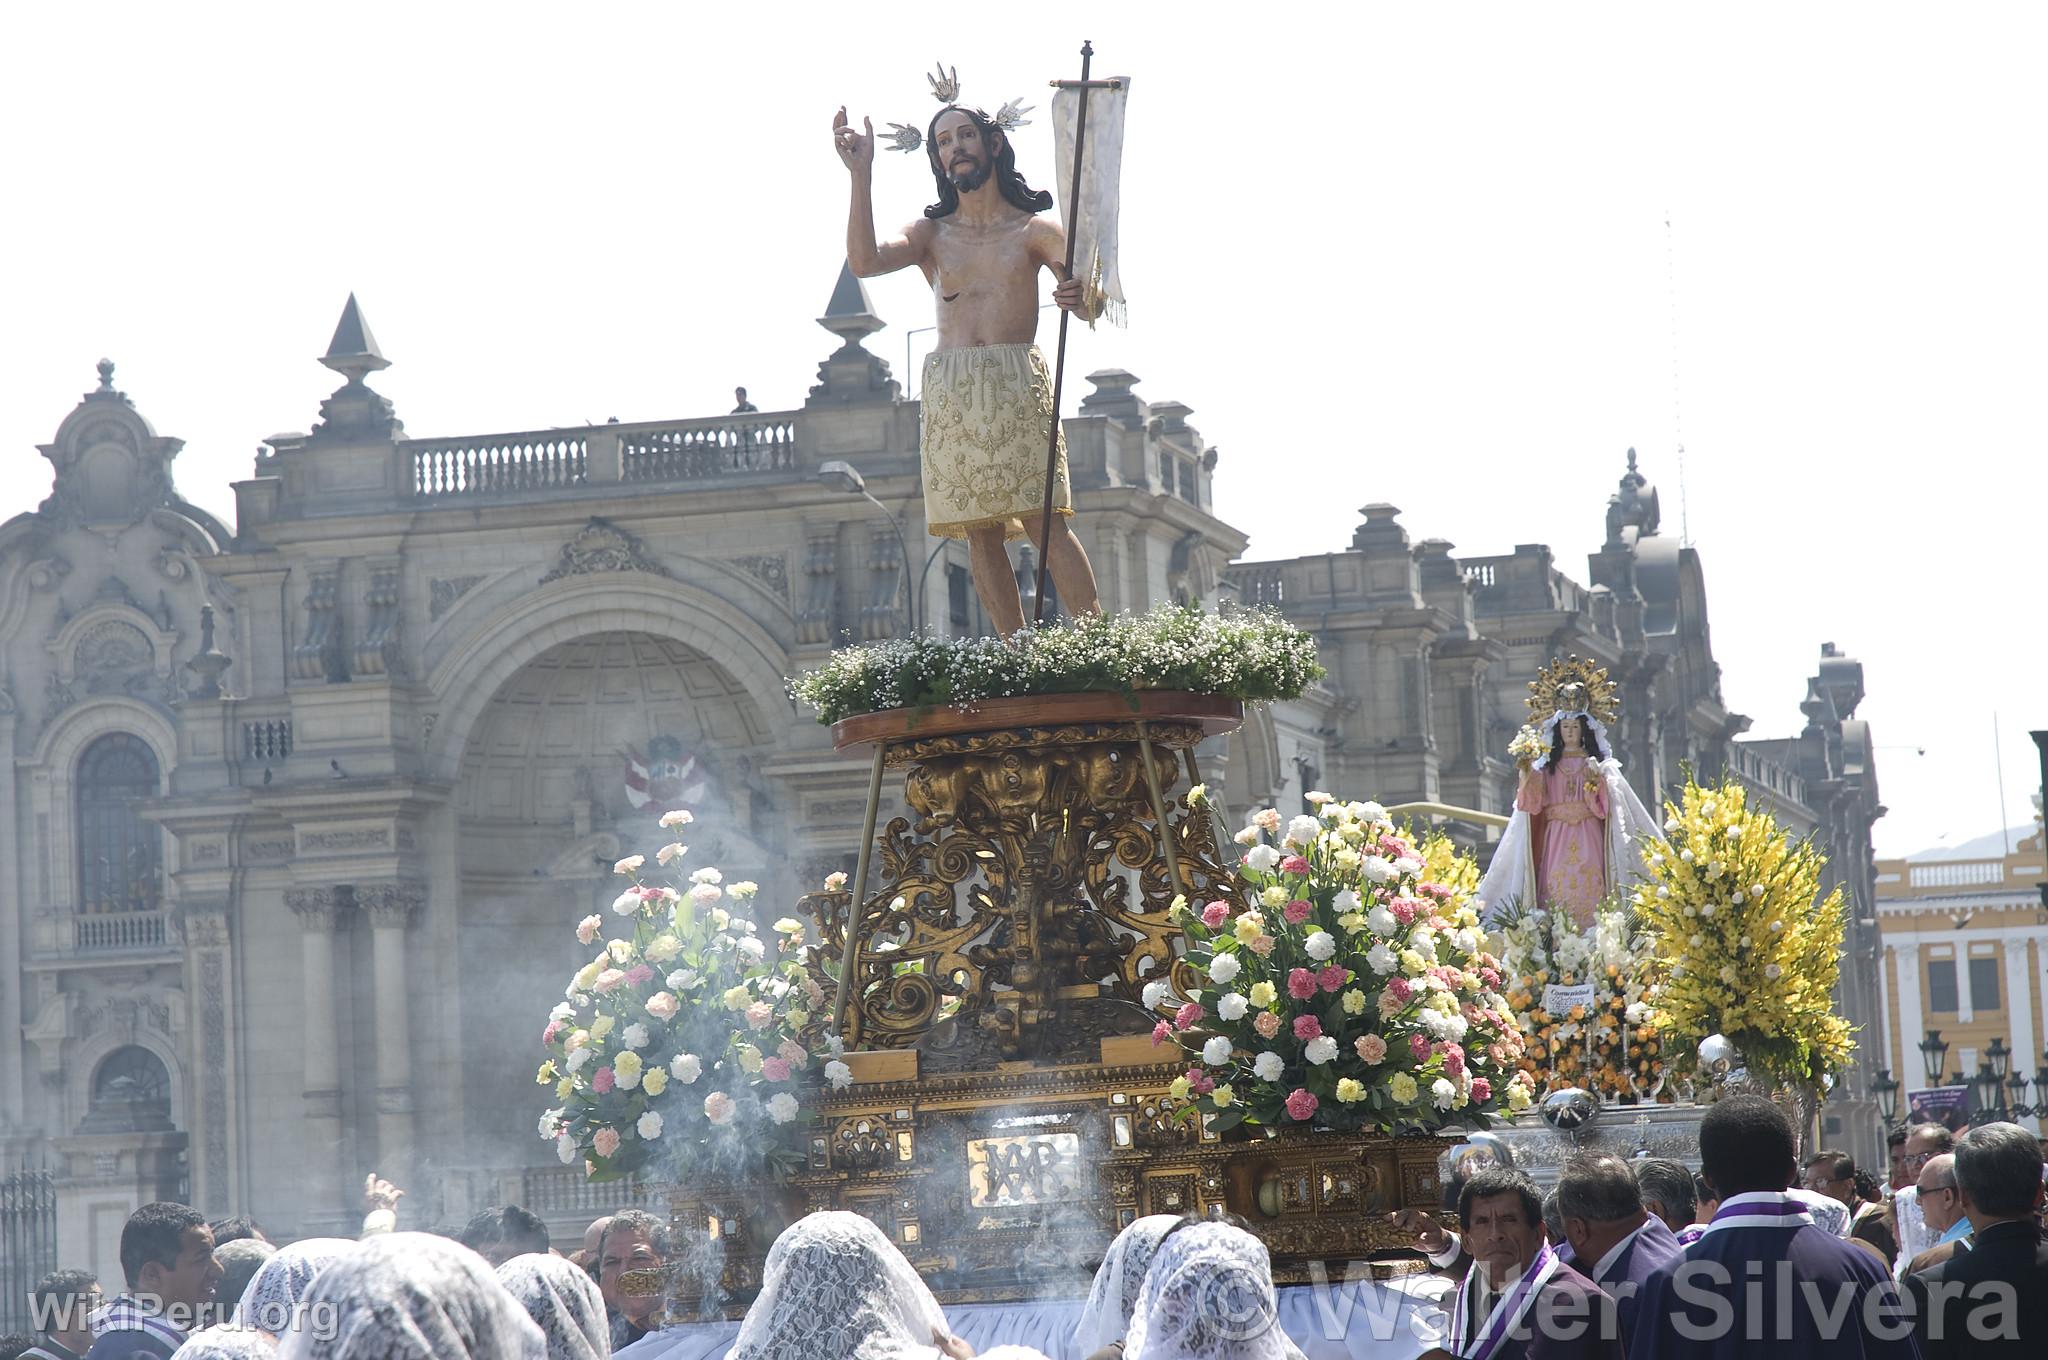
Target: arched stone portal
(567,767)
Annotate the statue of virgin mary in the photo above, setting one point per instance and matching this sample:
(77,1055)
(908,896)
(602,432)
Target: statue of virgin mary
(1576,836)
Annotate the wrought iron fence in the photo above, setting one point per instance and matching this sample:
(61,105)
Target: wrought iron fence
(28,1242)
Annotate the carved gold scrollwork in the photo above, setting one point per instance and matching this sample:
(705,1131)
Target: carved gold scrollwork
(1029,884)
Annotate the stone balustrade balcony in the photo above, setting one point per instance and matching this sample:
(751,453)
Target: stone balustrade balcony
(62,933)
(499,466)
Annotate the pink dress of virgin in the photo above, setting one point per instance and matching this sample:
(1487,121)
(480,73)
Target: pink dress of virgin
(1569,823)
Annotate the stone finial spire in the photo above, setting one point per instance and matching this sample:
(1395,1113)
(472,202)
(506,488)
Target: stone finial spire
(849,315)
(850,373)
(353,351)
(1633,507)
(210,661)
(354,411)
(106,367)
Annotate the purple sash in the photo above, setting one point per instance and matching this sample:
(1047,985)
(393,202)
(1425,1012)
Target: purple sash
(1506,1315)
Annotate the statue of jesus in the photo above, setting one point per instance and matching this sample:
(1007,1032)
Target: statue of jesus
(987,393)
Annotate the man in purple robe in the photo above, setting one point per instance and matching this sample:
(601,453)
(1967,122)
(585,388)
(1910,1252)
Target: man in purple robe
(1615,1242)
(1518,1301)
(1763,1280)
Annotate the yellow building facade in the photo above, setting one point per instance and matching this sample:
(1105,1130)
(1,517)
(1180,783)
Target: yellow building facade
(1965,955)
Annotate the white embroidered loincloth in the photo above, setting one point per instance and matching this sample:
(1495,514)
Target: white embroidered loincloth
(986,416)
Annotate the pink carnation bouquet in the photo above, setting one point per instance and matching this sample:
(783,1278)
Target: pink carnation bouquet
(1343,986)
(677,1049)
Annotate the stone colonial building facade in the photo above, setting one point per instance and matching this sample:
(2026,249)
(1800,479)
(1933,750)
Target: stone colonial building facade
(299,811)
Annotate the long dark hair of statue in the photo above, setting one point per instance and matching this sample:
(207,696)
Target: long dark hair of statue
(1009,183)
(1587,739)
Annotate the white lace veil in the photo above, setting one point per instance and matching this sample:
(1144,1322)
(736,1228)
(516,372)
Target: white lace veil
(1107,1314)
(834,1288)
(280,1282)
(1208,1296)
(563,1302)
(1511,876)
(227,1342)
(411,1296)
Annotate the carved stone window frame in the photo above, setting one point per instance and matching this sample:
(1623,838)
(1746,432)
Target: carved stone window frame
(53,793)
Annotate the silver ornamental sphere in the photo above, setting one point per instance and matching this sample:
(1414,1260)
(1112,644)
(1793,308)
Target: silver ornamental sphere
(1490,1143)
(1462,1161)
(1571,1109)
(1715,1049)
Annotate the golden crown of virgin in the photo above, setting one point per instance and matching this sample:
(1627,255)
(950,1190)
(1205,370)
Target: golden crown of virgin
(1574,685)
(945,85)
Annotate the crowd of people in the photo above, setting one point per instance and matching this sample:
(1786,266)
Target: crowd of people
(1637,1259)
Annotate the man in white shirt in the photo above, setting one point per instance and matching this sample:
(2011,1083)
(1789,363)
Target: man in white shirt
(1923,1143)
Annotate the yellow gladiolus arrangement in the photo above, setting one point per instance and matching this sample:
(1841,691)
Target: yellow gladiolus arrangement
(1744,944)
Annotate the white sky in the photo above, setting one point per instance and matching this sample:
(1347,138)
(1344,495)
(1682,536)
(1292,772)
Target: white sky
(1406,255)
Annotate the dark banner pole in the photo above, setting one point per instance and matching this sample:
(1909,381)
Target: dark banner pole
(1059,368)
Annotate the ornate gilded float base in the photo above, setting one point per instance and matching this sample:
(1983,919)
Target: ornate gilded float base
(1021,908)
(1009,1184)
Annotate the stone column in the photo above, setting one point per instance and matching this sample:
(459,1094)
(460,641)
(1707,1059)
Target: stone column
(391,908)
(2019,1007)
(318,912)
(212,1106)
(1912,1021)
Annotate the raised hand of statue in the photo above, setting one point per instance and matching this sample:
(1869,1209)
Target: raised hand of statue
(1071,295)
(855,150)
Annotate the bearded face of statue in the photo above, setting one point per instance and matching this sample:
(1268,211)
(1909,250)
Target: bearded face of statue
(960,148)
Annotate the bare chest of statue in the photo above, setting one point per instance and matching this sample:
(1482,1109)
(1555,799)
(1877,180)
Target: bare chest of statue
(985,282)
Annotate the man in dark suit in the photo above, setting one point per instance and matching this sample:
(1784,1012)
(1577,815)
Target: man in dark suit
(1615,1242)
(1763,1280)
(1991,1301)
(1519,1302)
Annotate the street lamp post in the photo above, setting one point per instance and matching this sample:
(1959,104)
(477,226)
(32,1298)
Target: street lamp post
(1998,1056)
(1933,1053)
(1886,1091)
(1989,1089)
(841,475)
